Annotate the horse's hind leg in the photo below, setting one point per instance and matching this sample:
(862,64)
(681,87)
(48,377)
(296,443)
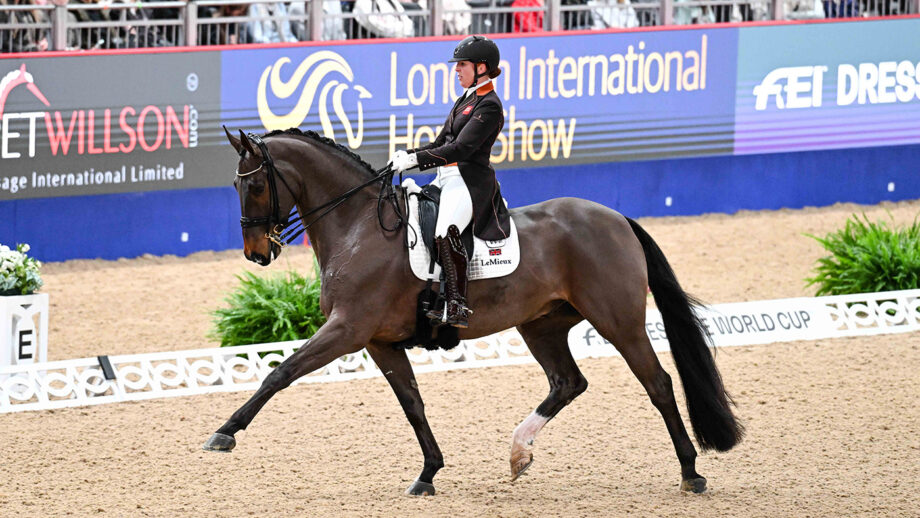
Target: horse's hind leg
(628,336)
(547,339)
(396,368)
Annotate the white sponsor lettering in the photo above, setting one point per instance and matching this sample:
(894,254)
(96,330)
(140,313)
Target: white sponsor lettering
(9,135)
(886,82)
(878,83)
(791,87)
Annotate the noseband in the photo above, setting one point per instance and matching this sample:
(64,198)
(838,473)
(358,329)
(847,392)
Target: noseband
(277,233)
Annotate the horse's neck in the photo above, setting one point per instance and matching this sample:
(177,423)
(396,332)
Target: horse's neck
(335,176)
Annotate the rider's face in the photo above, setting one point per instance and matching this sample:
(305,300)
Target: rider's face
(466,72)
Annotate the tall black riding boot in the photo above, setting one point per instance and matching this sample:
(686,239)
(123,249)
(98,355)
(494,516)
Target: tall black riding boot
(458,312)
(454,266)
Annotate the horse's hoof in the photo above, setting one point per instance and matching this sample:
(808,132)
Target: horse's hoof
(519,464)
(419,488)
(694,485)
(220,442)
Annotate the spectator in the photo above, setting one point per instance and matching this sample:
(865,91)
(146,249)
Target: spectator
(271,24)
(575,20)
(456,15)
(419,23)
(841,8)
(26,38)
(528,21)
(333,24)
(613,14)
(134,35)
(230,30)
(87,37)
(691,15)
(381,19)
(803,10)
(207,33)
(737,12)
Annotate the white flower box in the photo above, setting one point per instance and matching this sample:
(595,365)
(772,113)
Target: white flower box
(23,329)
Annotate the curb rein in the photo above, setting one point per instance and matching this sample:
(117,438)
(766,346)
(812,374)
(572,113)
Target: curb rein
(280,234)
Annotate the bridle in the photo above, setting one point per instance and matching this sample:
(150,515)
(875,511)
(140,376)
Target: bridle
(279,233)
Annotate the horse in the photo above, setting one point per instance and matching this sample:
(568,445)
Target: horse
(579,260)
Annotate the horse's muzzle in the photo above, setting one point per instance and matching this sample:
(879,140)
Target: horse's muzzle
(263,260)
(259,259)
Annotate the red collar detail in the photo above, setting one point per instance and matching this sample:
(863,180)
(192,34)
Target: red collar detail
(484,89)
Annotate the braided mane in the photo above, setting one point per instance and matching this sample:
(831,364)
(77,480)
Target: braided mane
(312,135)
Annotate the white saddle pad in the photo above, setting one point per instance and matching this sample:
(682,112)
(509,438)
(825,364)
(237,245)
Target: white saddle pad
(490,258)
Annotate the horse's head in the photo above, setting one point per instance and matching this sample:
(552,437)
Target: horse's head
(265,202)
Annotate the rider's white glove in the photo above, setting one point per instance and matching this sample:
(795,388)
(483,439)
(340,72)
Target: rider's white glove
(397,154)
(401,161)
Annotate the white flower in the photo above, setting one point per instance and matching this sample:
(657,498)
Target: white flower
(19,274)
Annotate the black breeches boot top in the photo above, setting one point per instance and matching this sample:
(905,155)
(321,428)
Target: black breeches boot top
(454,268)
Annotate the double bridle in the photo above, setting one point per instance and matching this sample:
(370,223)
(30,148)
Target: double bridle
(278,232)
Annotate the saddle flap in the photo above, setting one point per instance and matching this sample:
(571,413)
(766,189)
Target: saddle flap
(429,199)
(487,259)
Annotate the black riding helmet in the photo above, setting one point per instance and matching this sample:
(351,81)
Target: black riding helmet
(479,49)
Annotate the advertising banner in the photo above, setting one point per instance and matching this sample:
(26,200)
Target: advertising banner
(742,323)
(567,99)
(828,86)
(103,124)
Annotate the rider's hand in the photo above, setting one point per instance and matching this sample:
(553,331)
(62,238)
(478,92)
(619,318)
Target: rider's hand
(402,161)
(397,154)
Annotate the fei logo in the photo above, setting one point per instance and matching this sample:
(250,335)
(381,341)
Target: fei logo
(802,88)
(323,63)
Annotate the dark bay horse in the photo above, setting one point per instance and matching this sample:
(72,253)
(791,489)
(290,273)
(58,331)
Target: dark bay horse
(579,260)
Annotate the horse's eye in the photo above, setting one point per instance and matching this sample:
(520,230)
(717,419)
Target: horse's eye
(257,188)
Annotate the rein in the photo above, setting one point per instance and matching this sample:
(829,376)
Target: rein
(278,232)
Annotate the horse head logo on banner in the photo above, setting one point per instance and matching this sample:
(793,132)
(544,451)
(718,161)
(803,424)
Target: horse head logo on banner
(323,64)
(15,78)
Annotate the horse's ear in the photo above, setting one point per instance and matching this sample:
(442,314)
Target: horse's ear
(244,141)
(235,142)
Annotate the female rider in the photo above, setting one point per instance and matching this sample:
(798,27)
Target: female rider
(469,190)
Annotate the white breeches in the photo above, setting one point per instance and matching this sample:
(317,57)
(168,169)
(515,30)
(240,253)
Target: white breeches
(456,206)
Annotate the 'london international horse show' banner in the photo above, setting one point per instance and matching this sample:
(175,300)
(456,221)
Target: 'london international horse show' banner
(570,99)
(667,121)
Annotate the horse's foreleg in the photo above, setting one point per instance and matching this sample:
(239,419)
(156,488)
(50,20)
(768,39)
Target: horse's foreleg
(547,339)
(396,368)
(330,342)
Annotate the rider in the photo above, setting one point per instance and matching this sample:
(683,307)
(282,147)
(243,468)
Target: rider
(469,190)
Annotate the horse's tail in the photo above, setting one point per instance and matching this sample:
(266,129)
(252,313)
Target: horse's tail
(709,405)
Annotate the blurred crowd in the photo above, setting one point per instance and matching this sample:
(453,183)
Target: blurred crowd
(128,24)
